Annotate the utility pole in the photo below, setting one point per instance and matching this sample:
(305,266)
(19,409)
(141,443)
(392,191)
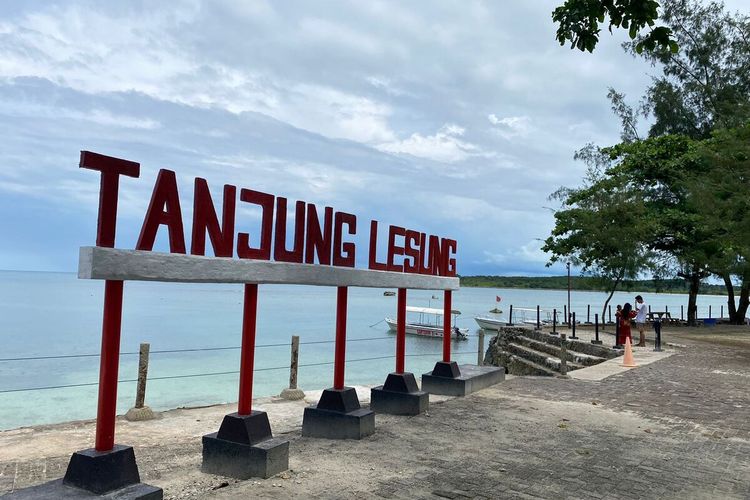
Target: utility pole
(569,311)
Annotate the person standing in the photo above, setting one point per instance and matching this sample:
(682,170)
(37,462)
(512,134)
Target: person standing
(641,310)
(624,316)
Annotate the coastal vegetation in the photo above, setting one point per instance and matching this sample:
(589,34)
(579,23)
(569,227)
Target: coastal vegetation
(673,202)
(587,283)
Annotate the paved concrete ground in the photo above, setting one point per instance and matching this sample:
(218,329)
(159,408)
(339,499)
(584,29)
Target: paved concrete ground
(676,428)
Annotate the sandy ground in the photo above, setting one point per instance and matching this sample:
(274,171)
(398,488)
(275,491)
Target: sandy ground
(528,436)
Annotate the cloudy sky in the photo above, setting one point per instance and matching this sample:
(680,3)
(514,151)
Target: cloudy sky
(454,118)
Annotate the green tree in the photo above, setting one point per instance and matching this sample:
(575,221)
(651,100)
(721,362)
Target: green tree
(722,197)
(706,85)
(600,226)
(662,170)
(579,23)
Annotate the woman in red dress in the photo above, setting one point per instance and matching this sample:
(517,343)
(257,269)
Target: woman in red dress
(624,317)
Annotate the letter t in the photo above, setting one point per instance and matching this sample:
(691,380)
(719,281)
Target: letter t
(111,169)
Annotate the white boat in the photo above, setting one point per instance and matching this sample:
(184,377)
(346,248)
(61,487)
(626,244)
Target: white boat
(521,316)
(487,323)
(428,322)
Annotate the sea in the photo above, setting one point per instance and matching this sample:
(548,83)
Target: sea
(50,326)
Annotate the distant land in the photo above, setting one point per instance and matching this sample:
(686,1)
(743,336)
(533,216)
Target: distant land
(586,283)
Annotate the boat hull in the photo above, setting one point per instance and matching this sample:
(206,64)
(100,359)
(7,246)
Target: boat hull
(428,330)
(490,323)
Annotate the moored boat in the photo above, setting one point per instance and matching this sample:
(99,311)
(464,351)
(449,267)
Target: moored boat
(428,322)
(487,323)
(521,317)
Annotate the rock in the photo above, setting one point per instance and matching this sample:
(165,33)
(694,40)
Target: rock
(138,414)
(292,394)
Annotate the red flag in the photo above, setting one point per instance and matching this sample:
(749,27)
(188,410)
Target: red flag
(498,298)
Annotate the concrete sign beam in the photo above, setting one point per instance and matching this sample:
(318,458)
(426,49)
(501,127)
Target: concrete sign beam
(136,265)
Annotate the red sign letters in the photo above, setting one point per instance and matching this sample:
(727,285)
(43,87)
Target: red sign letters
(317,237)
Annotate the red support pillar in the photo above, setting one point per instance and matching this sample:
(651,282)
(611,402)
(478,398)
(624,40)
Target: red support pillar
(247,353)
(109,364)
(340,346)
(401,330)
(447,295)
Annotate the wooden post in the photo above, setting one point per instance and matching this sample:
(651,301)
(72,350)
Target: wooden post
(140,395)
(480,348)
(140,411)
(294,362)
(292,392)
(563,357)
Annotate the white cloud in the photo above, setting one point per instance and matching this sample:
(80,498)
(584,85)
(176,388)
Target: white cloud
(511,126)
(341,103)
(446,145)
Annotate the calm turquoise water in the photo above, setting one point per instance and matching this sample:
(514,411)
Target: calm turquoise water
(51,314)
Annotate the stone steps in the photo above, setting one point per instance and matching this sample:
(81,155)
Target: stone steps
(523,351)
(555,351)
(572,345)
(540,358)
(518,365)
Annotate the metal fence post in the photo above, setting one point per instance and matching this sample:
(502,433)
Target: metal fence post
(554,322)
(596,330)
(510,316)
(573,326)
(538,319)
(657,336)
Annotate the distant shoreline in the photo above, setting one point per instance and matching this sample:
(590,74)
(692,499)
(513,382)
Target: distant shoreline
(587,284)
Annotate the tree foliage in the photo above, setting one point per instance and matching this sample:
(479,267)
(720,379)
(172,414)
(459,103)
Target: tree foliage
(600,225)
(579,23)
(706,85)
(691,175)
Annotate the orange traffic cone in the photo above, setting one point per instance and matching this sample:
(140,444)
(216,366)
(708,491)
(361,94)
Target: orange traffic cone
(628,360)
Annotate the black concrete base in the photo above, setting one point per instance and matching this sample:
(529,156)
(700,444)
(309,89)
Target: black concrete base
(338,416)
(471,379)
(399,396)
(596,342)
(55,490)
(244,447)
(242,461)
(105,472)
(102,471)
(245,429)
(448,370)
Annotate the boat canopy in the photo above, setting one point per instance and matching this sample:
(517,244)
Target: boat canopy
(429,310)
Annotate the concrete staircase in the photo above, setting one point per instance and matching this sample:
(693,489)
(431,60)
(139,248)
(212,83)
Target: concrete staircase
(525,351)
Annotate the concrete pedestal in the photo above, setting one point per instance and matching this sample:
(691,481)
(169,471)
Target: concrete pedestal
(338,416)
(96,474)
(399,396)
(244,448)
(55,490)
(471,378)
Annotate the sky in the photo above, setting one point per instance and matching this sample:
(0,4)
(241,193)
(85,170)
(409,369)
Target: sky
(456,118)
